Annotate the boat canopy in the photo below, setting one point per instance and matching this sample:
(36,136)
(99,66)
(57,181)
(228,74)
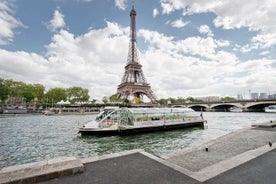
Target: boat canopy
(142,112)
(159,112)
(128,116)
(136,111)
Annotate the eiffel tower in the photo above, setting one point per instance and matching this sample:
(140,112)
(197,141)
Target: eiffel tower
(134,83)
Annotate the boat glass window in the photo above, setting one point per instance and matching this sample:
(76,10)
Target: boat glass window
(103,114)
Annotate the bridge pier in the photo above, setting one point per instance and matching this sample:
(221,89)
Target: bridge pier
(210,110)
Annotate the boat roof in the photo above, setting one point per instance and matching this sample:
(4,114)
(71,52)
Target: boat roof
(159,110)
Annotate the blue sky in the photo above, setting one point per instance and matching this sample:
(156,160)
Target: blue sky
(187,48)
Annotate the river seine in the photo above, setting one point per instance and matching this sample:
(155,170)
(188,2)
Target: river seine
(30,138)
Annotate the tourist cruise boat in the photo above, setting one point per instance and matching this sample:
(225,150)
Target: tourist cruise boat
(114,120)
(271,108)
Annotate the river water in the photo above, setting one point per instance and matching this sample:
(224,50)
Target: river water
(30,138)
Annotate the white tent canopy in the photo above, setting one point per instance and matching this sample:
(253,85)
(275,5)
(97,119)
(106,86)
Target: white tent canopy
(63,102)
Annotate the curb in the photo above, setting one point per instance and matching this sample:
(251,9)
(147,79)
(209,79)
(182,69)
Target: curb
(41,171)
(108,156)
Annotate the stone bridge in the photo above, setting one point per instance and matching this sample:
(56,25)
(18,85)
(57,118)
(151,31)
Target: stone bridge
(246,105)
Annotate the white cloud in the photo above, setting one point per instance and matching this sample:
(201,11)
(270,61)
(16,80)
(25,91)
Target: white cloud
(57,22)
(8,22)
(246,48)
(196,46)
(265,40)
(92,60)
(23,66)
(167,8)
(157,40)
(256,15)
(179,23)
(205,29)
(121,4)
(155,12)
(179,67)
(222,43)
(264,53)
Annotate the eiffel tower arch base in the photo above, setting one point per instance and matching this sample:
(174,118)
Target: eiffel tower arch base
(131,91)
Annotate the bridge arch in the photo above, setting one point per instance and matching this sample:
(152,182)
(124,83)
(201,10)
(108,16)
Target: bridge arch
(258,106)
(178,106)
(224,106)
(199,107)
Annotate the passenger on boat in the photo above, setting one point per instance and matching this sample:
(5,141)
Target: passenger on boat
(109,121)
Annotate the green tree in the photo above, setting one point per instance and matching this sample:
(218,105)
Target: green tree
(4,91)
(172,100)
(227,99)
(163,101)
(15,87)
(199,101)
(180,100)
(38,90)
(27,92)
(78,94)
(56,94)
(191,99)
(114,98)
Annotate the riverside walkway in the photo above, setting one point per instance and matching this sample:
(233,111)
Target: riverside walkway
(244,156)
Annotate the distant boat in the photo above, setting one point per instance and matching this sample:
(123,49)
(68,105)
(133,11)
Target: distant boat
(71,111)
(15,110)
(138,120)
(271,108)
(48,112)
(235,109)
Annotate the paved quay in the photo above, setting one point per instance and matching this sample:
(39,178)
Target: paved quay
(224,153)
(133,167)
(243,156)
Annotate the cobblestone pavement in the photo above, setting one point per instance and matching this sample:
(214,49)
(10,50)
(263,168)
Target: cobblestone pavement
(222,148)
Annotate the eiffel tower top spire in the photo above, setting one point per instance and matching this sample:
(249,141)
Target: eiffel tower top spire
(134,82)
(133,24)
(132,55)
